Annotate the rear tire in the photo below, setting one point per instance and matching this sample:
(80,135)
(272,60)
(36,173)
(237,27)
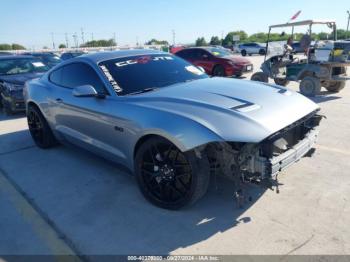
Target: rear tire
(281,81)
(243,52)
(39,128)
(310,86)
(334,87)
(260,77)
(169,178)
(218,71)
(262,52)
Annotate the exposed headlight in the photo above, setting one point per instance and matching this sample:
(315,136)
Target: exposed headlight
(12,87)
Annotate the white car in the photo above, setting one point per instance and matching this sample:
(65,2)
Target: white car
(252,48)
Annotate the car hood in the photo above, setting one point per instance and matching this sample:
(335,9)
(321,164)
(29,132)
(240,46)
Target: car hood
(19,79)
(235,110)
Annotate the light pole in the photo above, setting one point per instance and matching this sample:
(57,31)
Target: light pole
(75,37)
(347,28)
(82,35)
(114,39)
(67,44)
(173,31)
(53,41)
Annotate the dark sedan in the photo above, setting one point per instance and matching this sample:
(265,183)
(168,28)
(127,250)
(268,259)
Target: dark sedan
(216,61)
(49,59)
(14,72)
(5,53)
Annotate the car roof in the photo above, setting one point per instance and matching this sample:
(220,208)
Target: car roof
(194,48)
(102,56)
(41,53)
(73,52)
(15,57)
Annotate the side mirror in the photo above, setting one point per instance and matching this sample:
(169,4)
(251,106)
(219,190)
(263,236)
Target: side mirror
(205,56)
(86,91)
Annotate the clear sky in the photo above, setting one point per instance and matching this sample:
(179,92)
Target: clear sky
(30,22)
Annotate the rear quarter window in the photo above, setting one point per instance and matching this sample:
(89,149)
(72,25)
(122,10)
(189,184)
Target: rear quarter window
(56,76)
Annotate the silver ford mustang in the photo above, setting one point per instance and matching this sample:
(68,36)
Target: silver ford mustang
(169,123)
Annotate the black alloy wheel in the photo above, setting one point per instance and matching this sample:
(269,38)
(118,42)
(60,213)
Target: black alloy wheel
(39,129)
(168,177)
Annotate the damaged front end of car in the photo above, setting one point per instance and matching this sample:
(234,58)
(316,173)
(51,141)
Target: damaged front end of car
(260,163)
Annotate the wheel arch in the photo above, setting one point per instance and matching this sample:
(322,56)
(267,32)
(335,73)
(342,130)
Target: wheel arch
(32,103)
(142,140)
(307,72)
(184,142)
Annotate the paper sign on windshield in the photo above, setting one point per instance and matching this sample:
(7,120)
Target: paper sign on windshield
(38,64)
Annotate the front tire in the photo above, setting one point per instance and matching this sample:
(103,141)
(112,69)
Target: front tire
(243,52)
(260,77)
(334,87)
(281,81)
(310,86)
(169,178)
(39,128)
(219,71)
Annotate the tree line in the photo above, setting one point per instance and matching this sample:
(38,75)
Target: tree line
(11,47)
(201,41)
(262,37)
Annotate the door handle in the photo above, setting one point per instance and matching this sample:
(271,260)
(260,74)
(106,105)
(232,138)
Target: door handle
(59,100)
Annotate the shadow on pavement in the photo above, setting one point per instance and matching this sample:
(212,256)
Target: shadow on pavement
(4,117)
(324,96)
(99,207)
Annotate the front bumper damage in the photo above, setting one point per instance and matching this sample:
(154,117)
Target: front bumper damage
(260,163)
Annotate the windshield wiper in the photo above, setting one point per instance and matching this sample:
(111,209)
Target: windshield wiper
(143,91)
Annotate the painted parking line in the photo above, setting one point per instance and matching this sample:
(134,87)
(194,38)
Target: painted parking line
(39,225)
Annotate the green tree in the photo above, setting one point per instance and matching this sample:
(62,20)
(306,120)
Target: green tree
(228,40)
(100,43)
(11,47)
(258,37)
(154,41)
(201,41)
(62,46)
(18,47)
(341,34)
(5,47)
(215,41)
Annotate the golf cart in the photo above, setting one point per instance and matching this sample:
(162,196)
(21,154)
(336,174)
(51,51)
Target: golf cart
(324,63)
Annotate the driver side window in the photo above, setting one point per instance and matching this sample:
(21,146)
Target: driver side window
(78,74)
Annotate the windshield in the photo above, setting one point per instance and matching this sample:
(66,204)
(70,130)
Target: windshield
(135,74)
(21,66)
(52,59)
(219,52)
